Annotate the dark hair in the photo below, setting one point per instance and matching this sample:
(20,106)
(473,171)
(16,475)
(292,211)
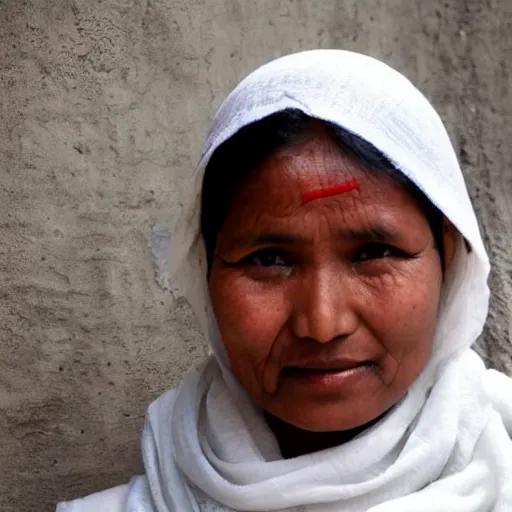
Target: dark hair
(237,157)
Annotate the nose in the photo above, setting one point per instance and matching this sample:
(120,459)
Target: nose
(323,307)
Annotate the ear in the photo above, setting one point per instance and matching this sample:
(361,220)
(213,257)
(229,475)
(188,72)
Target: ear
(450,235)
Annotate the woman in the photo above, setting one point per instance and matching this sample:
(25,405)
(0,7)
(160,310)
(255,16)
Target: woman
(332,254)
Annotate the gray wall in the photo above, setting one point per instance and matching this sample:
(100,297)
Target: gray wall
(103,108)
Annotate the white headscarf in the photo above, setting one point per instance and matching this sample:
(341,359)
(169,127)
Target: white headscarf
(446,446)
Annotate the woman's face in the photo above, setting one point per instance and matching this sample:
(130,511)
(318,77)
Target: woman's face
(327,308)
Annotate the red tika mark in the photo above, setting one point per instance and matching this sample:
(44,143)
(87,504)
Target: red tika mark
(347,186)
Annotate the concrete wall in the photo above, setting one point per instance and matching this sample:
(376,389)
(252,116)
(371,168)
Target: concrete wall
(103,107)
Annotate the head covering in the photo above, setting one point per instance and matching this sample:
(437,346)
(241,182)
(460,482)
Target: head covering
(445,446)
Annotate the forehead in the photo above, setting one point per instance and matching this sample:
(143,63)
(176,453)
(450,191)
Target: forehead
(313,174)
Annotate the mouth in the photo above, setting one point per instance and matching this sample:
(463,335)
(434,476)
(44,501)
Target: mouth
(333,376)
(326,367)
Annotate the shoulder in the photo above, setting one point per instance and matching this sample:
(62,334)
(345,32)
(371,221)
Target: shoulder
(110,500)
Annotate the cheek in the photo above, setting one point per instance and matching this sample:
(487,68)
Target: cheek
(250,319)
(404,316)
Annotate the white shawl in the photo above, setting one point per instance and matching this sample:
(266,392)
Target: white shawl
(446,446)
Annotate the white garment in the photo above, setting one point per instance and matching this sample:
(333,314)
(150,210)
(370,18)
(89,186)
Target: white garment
(445,447)
(111,500)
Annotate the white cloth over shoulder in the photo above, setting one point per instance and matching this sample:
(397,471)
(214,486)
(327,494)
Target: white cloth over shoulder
(111,500)
(446,446)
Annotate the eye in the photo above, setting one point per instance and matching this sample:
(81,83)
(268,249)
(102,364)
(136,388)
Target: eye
(375,251)
(267,258)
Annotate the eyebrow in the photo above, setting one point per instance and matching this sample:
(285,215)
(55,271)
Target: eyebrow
(371,234)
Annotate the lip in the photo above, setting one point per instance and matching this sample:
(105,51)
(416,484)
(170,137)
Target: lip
(331,376)
(328,365)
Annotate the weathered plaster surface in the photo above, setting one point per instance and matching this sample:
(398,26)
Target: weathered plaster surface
(103,108)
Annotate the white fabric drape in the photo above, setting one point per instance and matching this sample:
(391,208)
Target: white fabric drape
(446,446)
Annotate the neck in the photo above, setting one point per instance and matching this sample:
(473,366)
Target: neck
(294,441)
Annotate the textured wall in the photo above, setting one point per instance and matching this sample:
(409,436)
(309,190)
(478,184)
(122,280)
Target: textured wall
(103,107)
